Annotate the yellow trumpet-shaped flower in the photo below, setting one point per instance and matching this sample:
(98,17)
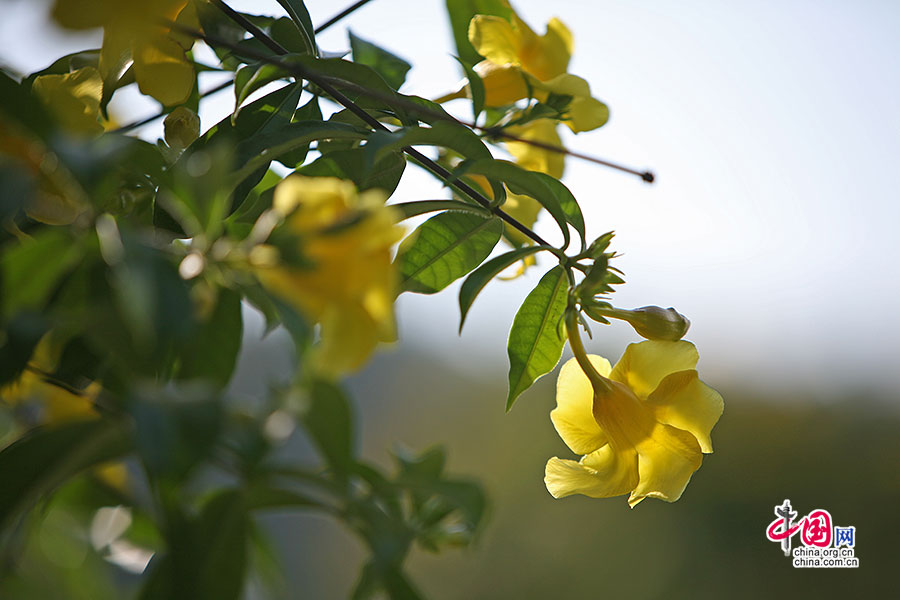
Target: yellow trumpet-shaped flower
(517,59)
(137,31)
(349,284)
(644,434)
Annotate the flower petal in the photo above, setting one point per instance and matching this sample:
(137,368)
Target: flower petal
(586,114)
(162,70)
(666,460)
(601,474)
(533,158)
(495,39)
(503,84)
(349,336)
(573,416)
(645,364)
(685,402)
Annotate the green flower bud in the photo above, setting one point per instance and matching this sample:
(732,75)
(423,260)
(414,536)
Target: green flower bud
(651,322)
(655,323)
(182,127)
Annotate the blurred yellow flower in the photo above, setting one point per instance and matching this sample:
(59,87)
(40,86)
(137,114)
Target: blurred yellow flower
(73,98)
(349,285)
(58,405)
(517,59)
(136,31)
(645,434)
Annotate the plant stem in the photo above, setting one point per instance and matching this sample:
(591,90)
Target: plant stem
(341,15)
(600,383)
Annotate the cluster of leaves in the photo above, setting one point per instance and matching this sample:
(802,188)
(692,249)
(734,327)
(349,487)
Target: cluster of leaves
(138,295)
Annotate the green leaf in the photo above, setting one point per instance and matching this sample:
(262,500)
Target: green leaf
(175,429)
(535,343)
(300,16)
(391,67)
(250,78)
(207,556)
(259,150)
(212,351)
(476,88)
(443,133)
(46,457)
(568,204)
(219,558)
(461,13)
(328,420)
(529,183)
(351,164)
(30,270)
(421,207)
(444,248)
(480,277)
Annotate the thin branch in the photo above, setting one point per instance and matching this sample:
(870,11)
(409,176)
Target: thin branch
(252,29)
(341,15)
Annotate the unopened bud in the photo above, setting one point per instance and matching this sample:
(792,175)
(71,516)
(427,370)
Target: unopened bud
(651,322)
(655,323)
(182,127)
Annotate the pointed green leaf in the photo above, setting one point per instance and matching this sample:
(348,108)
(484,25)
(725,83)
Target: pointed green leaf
(522,181)
(567,203)
(391,67)
(212,351)
(250,78)
(259,150)
(476,88)
(421,207)
(444,248)
(328,420)
(535,342)
(480,277)
(300,16)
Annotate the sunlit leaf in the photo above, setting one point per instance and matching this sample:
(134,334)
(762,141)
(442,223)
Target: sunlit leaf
(481,276)
(445,248)
(391,67)
(535,341)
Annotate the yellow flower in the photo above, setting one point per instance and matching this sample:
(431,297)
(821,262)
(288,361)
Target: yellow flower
(517,59)
(59,405)
(136,31)
(645,434)
(349,285)
(73,98)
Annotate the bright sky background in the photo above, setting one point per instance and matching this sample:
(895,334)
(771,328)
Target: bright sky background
(773,129)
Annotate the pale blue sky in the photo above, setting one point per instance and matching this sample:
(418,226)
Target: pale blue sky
(773,130)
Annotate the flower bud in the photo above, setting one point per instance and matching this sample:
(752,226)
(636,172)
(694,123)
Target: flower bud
(655,323)
(182,127)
